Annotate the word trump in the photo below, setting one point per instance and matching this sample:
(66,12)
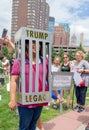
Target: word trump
(34,34)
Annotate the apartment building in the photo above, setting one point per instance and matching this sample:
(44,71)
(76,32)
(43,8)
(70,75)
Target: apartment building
(29,13)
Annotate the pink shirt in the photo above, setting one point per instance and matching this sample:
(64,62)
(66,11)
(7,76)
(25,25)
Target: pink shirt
(16,71)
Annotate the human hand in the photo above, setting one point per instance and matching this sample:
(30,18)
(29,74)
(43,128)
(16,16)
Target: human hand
(12,105)
(1,39)
(5,39)
(61,99)
(80,70)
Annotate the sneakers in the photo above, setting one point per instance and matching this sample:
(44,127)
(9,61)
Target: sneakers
(87,127)
(76,108)
(48,106)
(81,109)
(66,108)
(54,106)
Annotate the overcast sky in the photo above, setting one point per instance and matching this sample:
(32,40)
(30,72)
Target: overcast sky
(74,12)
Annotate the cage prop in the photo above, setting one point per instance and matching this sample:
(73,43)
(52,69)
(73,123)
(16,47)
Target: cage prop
(42,46)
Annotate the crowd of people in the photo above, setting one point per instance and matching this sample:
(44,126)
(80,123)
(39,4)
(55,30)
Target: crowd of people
(29,115)
(5,68)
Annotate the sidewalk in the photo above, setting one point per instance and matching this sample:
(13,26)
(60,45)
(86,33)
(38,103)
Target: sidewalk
(69,121)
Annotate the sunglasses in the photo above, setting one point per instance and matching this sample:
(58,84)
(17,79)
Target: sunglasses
(65,57)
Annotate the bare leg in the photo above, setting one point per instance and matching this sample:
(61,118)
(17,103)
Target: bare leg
(39,124)
(68,98)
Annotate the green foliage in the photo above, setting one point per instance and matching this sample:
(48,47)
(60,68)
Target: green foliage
(71,55)
(53,54)
(80,48)
(10,54)
(8,118)
(61,53)
(5,51)
(7,54)
(87,56)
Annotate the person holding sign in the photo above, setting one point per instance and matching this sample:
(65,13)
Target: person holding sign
(28,114)
(81,75)
(66,67)
(9,42)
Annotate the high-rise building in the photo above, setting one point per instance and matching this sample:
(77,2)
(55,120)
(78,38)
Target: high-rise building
(51,24)
(73,40)
(29,13)
(81,38)
(61,35)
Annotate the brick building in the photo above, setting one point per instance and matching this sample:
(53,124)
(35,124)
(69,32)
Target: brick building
(29,13)
(61,35)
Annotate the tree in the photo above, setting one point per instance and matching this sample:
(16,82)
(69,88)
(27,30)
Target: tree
(54,53)
(10,54)
(87,56)
(71,55)
(5,51)
(61,53)
(80,48)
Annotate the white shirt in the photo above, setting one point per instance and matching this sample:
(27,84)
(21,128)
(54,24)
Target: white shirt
(55,68)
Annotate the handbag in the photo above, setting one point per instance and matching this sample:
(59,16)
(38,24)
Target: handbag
(82,84)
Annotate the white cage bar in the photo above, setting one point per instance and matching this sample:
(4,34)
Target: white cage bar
(43,39)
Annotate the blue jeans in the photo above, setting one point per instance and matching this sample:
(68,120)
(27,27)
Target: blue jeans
(28,117)
(81,95)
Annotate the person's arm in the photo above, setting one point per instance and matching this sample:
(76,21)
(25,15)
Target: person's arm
(86,71)
(13,83)
(61,99)
(71,67)
(61,67)
(7,41)
(85,68)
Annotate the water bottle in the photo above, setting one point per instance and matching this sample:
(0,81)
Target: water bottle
(16,111)
(87,127)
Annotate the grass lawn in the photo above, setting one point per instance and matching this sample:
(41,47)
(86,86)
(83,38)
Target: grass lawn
(9,119)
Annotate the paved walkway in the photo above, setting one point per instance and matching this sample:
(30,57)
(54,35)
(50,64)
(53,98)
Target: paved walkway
(69,121)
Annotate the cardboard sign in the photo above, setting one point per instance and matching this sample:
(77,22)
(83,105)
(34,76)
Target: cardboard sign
(62,80)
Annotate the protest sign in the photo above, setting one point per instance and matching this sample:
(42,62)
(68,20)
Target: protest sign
(62,80)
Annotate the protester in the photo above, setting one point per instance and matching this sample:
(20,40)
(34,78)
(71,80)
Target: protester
(55,93)
(55,68)
(6,65)
(81,74)
(8,42)
(1,65)
(66,67)
(28,114)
